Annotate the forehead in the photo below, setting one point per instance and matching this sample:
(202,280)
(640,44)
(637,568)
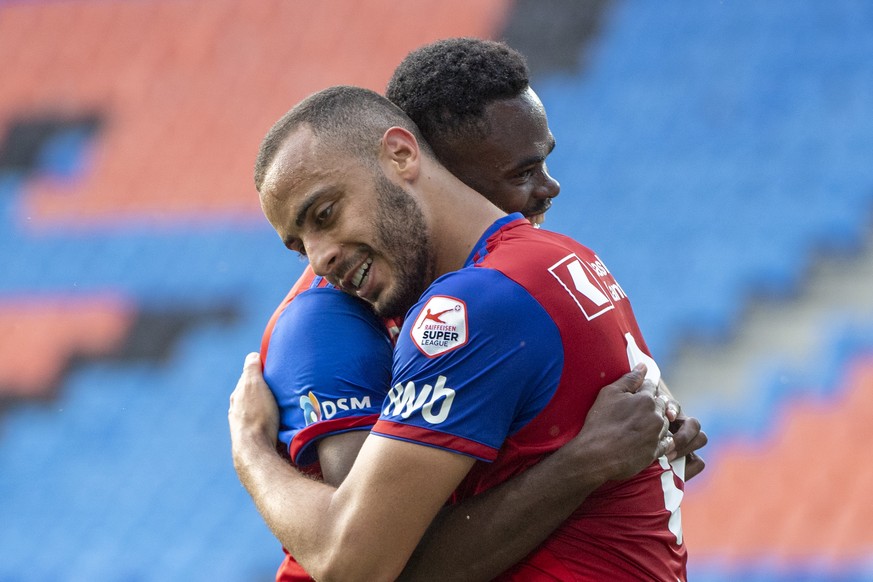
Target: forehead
(295,160)
(517,125)
(301,163)
(302,167)
(518,130)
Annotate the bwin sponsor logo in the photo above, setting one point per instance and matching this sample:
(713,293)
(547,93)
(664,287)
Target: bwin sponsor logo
(405,400)
(313,410)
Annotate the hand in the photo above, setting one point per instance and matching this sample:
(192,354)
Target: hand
(626,427)
(688,438)
(253,415)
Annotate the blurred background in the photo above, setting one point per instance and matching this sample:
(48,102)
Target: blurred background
(717,155)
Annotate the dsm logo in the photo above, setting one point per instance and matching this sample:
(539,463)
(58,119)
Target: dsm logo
(313,410)
(434,402)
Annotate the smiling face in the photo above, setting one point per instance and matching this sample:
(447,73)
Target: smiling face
(508,165)
(361,231)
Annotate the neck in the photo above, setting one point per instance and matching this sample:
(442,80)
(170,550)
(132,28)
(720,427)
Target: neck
(457,217)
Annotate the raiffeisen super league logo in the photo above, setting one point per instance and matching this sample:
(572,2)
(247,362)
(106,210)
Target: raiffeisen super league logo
(441,326)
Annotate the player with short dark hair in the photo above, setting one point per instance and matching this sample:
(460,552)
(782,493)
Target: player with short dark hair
(517,366)
(462,93)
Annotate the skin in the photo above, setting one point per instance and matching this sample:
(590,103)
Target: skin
(331,213)
(460,542)
(509,165)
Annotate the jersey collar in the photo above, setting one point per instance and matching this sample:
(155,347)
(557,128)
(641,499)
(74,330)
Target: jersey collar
(479,249)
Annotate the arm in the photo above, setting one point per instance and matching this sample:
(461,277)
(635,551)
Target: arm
(367,528)
(484,535)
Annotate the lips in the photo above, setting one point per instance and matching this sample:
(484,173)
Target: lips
(356,276)
(537,216)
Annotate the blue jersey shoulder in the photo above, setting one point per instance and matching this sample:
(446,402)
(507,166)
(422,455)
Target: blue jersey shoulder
(328,364)
(478,358)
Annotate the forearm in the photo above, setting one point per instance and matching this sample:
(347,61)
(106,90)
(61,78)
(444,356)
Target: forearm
(276,488)
(486,534)
(351,533)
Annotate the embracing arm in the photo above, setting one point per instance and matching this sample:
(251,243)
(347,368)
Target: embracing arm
(368,527)
(623,433)
(482,536)
(486,534)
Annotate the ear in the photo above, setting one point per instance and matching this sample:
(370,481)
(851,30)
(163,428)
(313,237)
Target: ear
(400,149)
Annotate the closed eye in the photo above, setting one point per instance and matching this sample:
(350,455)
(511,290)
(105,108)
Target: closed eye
(296,246)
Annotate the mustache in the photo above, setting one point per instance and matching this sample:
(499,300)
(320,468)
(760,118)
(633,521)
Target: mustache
(540,208)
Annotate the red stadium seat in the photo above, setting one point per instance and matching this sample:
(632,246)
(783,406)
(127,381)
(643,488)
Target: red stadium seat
(188,89)
(39,336)
(802,493)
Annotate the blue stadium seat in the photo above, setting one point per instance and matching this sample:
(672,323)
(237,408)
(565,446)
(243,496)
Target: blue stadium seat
(706,154)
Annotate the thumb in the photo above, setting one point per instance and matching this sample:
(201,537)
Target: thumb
(632,381)
(252,363)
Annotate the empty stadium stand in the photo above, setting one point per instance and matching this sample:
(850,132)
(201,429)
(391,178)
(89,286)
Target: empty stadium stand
(711,153)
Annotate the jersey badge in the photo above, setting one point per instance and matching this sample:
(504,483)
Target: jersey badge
(585,283)
(315,410)
(441,326)
(311,408)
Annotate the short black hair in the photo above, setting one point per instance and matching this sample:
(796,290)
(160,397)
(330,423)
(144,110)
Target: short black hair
(445,86)
(351,119)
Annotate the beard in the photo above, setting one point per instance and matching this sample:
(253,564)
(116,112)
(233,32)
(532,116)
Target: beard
(403,233)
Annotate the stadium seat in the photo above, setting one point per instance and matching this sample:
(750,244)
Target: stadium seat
(706,153)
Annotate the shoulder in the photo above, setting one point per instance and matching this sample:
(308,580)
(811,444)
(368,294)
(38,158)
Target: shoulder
(326,308)
(480,293)
(323,327)
(474,305)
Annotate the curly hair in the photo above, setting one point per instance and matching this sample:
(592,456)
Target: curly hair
(445,86)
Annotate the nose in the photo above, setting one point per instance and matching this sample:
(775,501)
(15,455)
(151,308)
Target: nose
(549,187)
(324,255)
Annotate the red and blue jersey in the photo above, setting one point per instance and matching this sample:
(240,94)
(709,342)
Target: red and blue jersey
(327,360)
(501,361)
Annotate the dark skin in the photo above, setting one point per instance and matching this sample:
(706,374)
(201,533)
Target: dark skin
(509,168)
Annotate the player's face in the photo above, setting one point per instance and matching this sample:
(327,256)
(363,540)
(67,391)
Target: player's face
(508,166)
(361,231)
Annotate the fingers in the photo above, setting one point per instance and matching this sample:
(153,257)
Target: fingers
(253,360)
(665,438)
(694,465)
(673,409)
(665,446)
(698,442)
(651,390)
(251,373)
(631,381)
(688,436)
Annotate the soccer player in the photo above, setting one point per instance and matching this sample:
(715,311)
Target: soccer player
(504,352)
(472,100)
(463,93)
